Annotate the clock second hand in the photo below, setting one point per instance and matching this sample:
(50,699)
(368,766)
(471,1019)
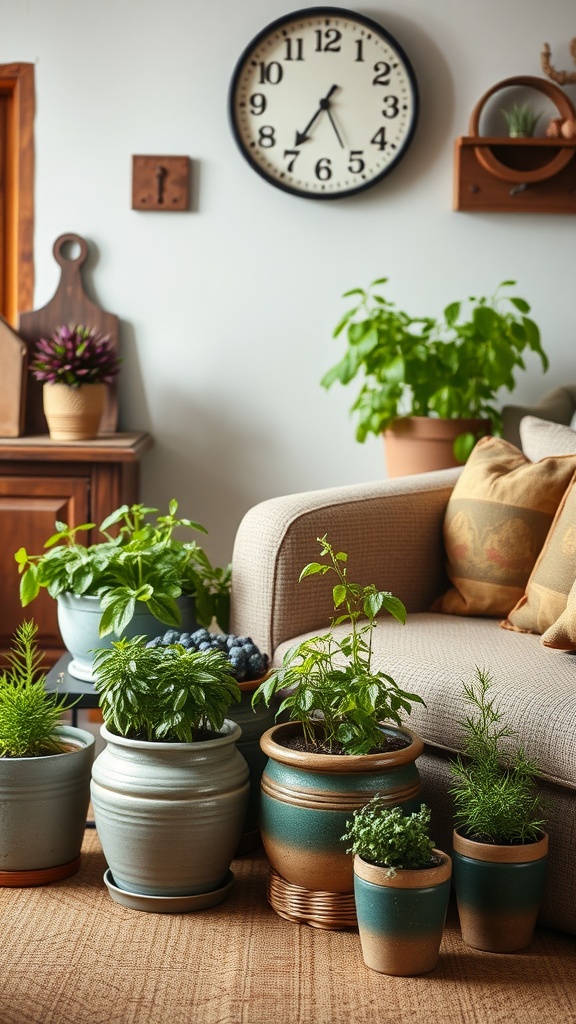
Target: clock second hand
(324,105)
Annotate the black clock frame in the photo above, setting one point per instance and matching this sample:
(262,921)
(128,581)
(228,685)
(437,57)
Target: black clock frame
(328,12)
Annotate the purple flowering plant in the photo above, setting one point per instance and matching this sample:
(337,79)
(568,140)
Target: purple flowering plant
(74,356)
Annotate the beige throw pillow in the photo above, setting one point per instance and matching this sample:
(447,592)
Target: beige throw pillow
(553,575)
(495,526)
(562,634)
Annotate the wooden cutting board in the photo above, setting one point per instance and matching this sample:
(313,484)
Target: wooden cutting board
(13,367)
(69,305)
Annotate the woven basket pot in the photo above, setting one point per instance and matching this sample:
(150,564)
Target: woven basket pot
(401,919)
(170,815)
(498,892)
(73,414)
(43,807)
(307,799)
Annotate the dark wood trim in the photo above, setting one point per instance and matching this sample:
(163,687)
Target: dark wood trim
(17,86)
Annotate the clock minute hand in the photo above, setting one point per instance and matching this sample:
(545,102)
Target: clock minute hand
(323,105)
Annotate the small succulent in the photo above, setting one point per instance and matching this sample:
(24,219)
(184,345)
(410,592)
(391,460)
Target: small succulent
(521,120)
(74,356)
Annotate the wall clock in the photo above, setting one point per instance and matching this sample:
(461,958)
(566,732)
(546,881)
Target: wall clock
(323,103)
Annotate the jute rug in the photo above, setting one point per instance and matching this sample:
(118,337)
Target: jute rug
(70,955)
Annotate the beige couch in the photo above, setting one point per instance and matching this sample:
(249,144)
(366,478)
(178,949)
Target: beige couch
(392,531)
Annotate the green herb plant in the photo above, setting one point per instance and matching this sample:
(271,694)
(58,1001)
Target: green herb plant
(494,786)
(450,367)
(389,838)
(521,120)
(29,713)
(168,694)
(333,690)
(143,562)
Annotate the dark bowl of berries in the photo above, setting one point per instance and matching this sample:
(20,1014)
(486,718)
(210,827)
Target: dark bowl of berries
(249,664)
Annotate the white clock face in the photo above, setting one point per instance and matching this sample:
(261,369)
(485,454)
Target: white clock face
(323,103)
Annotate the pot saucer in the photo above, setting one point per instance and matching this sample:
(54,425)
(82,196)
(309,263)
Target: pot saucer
(168,904)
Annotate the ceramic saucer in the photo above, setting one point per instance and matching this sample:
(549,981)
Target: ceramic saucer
(168,904)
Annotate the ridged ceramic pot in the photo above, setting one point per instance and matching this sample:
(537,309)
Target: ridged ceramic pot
(43,807)
(73,414)
(79,621)
(498,892)
(307,799)
(401,919)
(170,815)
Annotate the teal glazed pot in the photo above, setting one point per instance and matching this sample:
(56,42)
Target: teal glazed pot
(401,918)
(498,892)
(79,623)
(307,799)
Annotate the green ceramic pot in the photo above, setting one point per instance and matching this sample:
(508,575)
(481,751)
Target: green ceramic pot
(307,799)
(401,919)
(498,892)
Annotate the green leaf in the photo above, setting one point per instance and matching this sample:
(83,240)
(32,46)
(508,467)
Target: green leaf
(339,594)
(312,569)
(29,586)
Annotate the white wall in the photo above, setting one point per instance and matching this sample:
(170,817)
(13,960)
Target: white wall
(227,311)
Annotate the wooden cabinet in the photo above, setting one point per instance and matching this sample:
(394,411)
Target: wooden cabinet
(42,481)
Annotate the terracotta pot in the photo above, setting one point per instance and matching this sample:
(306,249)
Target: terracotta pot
(498,892)
(307,799)
(73,414)
(419,444)
(169,815)
(401,919)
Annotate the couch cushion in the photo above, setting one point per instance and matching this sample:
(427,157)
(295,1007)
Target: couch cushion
(535,687)
(562,633)
(496,522)
(553,575)
(541,438)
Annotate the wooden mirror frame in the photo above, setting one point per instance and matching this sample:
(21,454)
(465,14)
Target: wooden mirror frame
(17,196)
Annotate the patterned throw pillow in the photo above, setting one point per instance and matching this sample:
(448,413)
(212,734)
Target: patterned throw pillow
(562,634)
(496,523)
(553,575)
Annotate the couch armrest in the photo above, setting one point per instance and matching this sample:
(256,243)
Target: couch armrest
(391,529)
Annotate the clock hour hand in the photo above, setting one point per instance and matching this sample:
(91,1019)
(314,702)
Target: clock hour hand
(323,105)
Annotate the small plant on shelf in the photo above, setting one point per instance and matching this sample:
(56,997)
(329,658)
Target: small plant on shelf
(143,563)
(494,786)
(521,119)
(169,694)
(74,356)
(388,837)
(334,691)
(29,713)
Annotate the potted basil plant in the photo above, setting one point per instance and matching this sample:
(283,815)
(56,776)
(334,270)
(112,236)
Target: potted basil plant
(345,737)
(401,888)
(44,772)
(500,845)
(137,575)
(170,789)
(431,384)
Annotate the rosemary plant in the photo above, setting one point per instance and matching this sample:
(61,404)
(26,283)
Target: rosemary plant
(333,690)
(388,837)
(163,693)
(29,713)
(494,786)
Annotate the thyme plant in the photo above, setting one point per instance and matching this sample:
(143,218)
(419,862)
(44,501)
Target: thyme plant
(144,562)
(388,837)
(494,786)
(29,713)
(333,690)
(163,693)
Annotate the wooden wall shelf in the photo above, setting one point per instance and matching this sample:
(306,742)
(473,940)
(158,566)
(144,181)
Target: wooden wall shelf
(505,175)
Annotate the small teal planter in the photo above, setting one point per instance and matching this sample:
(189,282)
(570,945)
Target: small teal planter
(307,799)
(498,892)
(401,919)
